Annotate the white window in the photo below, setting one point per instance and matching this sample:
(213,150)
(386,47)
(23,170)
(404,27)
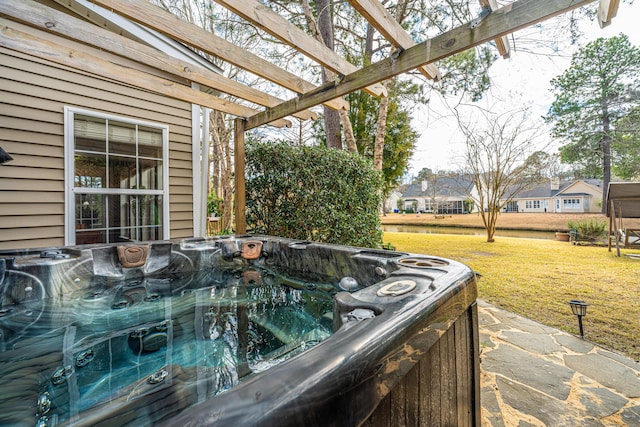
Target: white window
(571,203)
(512,207)
(532,204)
(116,179)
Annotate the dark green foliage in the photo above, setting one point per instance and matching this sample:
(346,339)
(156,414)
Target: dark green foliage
(214,205)
(625,148)
(400,137)
(465,73)
(312,193)
(592,99)
(425,174)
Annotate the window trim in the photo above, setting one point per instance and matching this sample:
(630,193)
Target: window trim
(69,168)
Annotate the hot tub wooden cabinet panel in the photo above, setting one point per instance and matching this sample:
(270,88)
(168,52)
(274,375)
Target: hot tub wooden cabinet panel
(443,388)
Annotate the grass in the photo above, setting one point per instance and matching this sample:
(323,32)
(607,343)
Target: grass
(536,279)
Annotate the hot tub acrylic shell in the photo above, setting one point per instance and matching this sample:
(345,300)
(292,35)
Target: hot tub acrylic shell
(404,349)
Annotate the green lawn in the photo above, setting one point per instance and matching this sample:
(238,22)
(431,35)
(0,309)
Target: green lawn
(536,279)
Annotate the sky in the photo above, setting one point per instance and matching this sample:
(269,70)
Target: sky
(523,79)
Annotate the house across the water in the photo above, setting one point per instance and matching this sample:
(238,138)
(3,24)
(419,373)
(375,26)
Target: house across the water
(451,195)
(440,195)
(580,196)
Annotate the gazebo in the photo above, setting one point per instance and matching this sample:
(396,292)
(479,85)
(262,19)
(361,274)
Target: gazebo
(623,201)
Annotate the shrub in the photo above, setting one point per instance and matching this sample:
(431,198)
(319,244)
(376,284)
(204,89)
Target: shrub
(312,193)
(589,228)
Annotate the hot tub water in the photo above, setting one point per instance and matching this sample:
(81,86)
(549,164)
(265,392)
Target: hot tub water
(120,340)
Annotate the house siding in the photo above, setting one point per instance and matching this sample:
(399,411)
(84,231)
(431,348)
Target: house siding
(33,94)
(595,204)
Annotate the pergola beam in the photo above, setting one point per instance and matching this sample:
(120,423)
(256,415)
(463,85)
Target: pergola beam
(502,43)
(607,10)
(18,37)
(58,22)
(266,19)
(164,22)
(510,18)
(374,12)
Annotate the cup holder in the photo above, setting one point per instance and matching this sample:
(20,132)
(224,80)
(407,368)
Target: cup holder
(397,288)
(423,262)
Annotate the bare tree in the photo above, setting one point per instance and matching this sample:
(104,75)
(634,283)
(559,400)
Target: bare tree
(218,20)
(429,185)
(222,164)
(497,160)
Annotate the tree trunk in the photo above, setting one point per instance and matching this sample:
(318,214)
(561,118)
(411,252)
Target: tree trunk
(325,22)
(491,225)
(349,138)
(221,138)
(606,157)
(331,117)
(381,130)
(332,128)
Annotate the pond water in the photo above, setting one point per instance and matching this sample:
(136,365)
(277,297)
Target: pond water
(527,234)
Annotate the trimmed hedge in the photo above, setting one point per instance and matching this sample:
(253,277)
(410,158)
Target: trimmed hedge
(312,193)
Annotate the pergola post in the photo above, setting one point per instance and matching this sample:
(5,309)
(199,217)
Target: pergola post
(610,231)
(612,221)
(239,126)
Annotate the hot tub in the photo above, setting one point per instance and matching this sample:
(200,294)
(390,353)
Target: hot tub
(236,331)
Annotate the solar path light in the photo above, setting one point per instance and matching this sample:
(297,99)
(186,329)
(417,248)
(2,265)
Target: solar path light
(579,308)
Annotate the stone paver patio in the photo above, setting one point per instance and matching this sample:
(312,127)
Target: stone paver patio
(533,375)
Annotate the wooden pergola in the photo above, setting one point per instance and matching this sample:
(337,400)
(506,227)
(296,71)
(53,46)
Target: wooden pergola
(623,201)
(18,19)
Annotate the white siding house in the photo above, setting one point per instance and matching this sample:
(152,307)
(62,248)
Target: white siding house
(581,196)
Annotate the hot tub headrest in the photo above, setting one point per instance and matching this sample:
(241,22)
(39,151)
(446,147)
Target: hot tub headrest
(133,256)
(112,261)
